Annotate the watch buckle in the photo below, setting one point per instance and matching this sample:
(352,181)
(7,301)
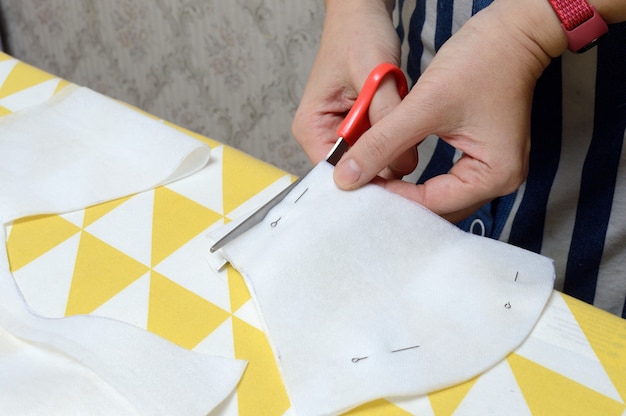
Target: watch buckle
(593,28)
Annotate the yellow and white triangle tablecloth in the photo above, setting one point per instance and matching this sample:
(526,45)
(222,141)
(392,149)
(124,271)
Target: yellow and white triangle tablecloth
(143,260)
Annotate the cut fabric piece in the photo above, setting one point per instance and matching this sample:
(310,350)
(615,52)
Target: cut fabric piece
(36,380)
(74,151)
(154,375)
(80,148)
(365,295)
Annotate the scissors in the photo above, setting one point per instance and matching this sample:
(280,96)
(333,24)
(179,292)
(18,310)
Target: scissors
(353,126)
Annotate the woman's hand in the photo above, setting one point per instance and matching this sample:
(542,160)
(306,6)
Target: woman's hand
(476,95)
(358,35)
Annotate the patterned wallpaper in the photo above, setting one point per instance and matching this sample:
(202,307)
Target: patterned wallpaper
(231,70)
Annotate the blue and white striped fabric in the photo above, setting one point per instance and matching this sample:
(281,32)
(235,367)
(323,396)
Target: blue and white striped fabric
(572,206)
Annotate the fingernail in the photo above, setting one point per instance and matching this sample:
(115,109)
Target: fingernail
(347,172)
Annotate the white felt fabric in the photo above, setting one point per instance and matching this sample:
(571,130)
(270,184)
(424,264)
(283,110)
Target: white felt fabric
(76,150)
(154,376)
(106,151)
(35,378)
(344,279)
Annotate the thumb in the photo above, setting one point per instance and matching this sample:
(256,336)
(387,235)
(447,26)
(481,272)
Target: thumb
(377,148)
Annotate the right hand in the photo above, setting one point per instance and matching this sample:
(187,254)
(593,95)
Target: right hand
(357,36)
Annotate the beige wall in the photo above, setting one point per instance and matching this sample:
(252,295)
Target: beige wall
(232,70)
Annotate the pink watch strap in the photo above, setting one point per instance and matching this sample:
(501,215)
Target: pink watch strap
(581,22)
(572,13)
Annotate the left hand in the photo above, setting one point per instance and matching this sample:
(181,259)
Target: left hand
(476,95)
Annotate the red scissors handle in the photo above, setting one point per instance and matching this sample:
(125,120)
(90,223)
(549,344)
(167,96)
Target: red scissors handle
(357,121)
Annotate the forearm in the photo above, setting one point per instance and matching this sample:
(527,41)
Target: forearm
(359,32)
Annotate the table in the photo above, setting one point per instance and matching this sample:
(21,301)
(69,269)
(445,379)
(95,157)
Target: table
(140,259)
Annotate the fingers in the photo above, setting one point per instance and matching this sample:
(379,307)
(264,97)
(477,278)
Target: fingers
(319,115)
(402,166)
(418,193)
(385,100)
(482,174)
(459,193)
(406,163)
(385,142)
(316,134)
(325,105)
(444,195)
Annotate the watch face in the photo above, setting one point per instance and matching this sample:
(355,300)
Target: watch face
(590,45)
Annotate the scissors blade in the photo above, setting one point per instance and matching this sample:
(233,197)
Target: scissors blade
(340,147)
(256,217)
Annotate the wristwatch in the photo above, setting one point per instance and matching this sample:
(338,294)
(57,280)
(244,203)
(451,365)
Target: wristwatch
(581,22)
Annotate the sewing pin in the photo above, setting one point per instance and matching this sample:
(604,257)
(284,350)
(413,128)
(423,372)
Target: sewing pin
(275,223)
(301,195)
(357,359)
(407,348)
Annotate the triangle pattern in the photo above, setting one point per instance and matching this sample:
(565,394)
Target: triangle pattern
(603,332)
(238,290)
(204,186)
(125,225)
(244,177)
(21,77)
(418,405)
(4,111)
(176,220)
(549,393)
(6,66)
(496,392)
(4,56)
(94,213)
(180,315)
(250,315)
(45,282)
(130,305)
(558,343)
(380,407)
(101,272)
(260,391)
(31,96)
(444,402)
(62,84)
(219,342)
(189,269)
(75,217)
(33,236)
(258,200)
